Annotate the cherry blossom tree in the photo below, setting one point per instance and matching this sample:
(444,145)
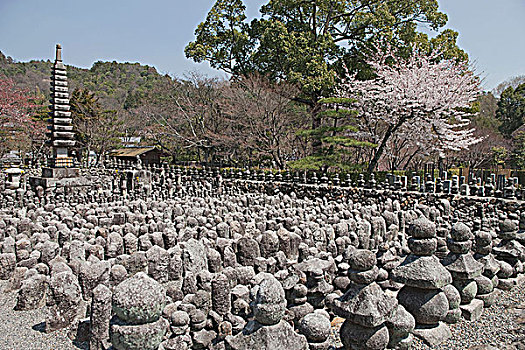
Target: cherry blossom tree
(423,98)
(17,127)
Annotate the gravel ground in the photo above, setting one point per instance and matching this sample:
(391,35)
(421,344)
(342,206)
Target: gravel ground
(23,330)
(501,327)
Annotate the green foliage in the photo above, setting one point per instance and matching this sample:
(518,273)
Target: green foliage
(306,42)
(346,141)
(338,114)
(444,41)
(323,130)
(518,154)
(499,155)
(96,128)
(338,100)
(84,105)
(323,162)
(511,109)
(222,39)
(486,106)
(134,99)
(117,85)
(335,138)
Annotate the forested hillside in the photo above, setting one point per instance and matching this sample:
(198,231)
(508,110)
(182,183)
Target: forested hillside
(117,85)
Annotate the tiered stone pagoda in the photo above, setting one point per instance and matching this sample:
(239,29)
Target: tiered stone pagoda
(60,170)
(61,129)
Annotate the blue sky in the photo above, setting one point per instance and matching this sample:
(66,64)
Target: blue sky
(155,32)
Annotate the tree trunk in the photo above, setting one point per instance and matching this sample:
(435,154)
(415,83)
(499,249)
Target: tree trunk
(390,131)
(277,159)
(316,123)
(409,160)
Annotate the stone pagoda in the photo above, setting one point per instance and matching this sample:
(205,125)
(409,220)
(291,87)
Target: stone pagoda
(61,129)
(60,170)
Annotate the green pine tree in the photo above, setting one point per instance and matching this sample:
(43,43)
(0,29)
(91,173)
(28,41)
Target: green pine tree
(335,137)
(511,109)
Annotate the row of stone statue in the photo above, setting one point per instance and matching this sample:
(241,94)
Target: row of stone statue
(492,186)
(240,269)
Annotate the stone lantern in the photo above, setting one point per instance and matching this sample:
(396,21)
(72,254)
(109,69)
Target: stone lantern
(13,178)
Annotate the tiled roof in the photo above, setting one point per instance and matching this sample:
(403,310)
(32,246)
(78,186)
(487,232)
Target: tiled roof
(130,151)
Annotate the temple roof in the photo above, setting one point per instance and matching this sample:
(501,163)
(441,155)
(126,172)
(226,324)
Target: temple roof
(130,151)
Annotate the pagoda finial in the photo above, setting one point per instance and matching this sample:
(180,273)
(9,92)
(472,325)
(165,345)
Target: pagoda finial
(59,53)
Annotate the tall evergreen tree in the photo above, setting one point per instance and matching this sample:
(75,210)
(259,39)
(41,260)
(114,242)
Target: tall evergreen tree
(96,129)
(511,109)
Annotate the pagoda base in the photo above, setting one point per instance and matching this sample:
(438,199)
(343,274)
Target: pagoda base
(60,173)
(53,178)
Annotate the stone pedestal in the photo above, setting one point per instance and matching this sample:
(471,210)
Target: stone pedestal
(13,178)
(60,173)
(432,334)
(473,310)
(50,183)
